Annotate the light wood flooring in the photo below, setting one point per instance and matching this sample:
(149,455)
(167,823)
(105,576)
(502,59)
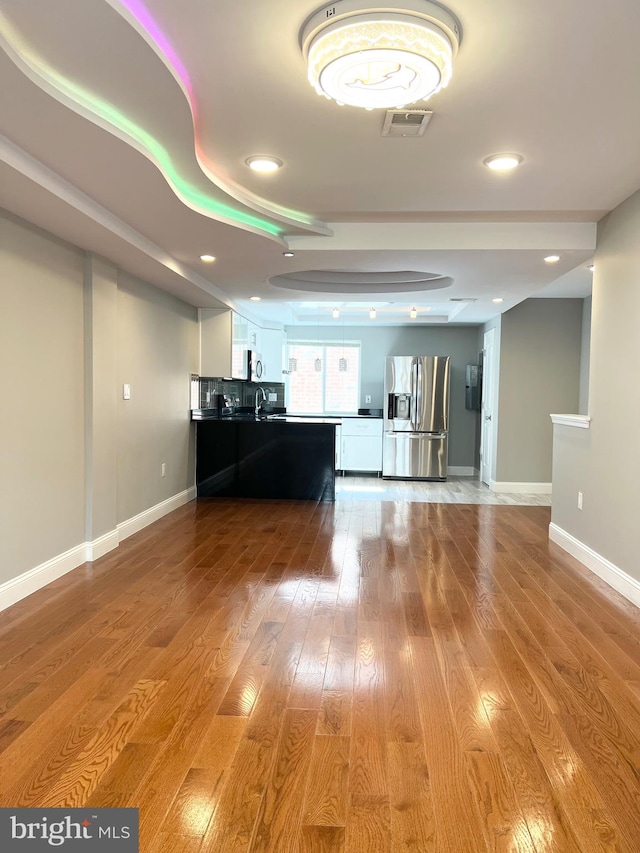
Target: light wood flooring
(455,489)
(359,676)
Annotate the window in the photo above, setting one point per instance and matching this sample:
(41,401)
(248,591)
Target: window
(328,390)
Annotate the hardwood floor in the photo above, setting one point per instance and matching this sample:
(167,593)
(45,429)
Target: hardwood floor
(364,676)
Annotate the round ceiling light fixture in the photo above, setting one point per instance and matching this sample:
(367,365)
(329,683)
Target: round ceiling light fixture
(380,56)
(552,259)
(207,259)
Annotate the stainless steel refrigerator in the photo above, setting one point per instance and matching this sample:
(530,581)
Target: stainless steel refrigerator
(416,417)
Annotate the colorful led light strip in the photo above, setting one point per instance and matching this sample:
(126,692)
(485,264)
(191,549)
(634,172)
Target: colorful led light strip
(108,117)
(155,36)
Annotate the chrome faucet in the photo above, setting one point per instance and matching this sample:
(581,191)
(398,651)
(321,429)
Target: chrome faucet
(260,402)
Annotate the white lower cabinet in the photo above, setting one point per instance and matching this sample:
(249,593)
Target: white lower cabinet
(338,448)
(361,445)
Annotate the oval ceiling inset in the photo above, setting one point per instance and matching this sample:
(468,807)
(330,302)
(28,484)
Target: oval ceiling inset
(356,281)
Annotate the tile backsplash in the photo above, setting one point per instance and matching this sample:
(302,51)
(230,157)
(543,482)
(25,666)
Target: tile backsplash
(204,392)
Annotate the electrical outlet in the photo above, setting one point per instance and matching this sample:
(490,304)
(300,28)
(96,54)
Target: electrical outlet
(126,392)
(579,500)
(273,398)
(367,398)
(163,470)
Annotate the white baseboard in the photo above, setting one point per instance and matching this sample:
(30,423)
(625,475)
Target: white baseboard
(138,522)
(461,470)
(31,581)
(102,545)
(599,565)
(521,488)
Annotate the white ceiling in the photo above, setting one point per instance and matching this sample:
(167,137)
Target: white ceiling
(126,133)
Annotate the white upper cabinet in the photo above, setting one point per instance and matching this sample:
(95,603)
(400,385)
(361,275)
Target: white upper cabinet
(224,339)
(271,346)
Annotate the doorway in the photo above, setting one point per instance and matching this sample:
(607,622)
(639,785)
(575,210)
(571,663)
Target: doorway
(487,409)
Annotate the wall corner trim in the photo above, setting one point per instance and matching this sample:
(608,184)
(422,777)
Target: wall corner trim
(31,581)
(520,488)
(578,421)
(610,573)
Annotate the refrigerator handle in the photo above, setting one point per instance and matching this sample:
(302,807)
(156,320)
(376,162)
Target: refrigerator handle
(413,414)
(419,390)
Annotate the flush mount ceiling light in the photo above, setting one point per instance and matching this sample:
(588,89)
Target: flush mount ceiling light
(263,163)
(497,300)
(380,55)
(208,259)
(288,254)
(255,298)
(503,162)
(552,259)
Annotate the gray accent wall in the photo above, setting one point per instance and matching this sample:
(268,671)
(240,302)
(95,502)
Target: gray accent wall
(540,345)
(377,342)
(75,458)
(603,461)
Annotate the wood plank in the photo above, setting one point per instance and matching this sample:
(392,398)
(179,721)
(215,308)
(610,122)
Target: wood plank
(369,675)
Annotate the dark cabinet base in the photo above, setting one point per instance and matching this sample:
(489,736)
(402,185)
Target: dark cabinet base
(269,459)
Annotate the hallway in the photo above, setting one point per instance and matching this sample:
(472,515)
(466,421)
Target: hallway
(360,676)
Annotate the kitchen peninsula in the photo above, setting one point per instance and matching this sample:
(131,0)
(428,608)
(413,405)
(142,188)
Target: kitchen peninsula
(276,458)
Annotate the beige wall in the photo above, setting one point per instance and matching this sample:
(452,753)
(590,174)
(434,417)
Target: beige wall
(540,345)
(158,342)
(75,459)
(41,394)
(603,462)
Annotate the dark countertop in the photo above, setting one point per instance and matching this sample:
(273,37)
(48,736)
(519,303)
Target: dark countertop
(290,417)
(245,418)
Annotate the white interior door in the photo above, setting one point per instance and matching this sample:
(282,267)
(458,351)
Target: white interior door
(488,407)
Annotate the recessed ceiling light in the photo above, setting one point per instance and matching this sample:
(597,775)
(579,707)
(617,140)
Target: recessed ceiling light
(335,313)
(288,254)
(262,163)
(208,259)
(552,259)
(413,313)
(503,162)
(372,314)
(498,300)
(255,298)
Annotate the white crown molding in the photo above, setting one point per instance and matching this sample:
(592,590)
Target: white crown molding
(53,183)
(445,236)
(610,573)
(578,421)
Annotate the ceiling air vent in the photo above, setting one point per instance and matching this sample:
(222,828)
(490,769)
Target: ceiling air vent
(462,299)
(406,122)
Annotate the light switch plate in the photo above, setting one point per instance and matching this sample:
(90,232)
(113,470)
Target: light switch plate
(126,392)
(367,398)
